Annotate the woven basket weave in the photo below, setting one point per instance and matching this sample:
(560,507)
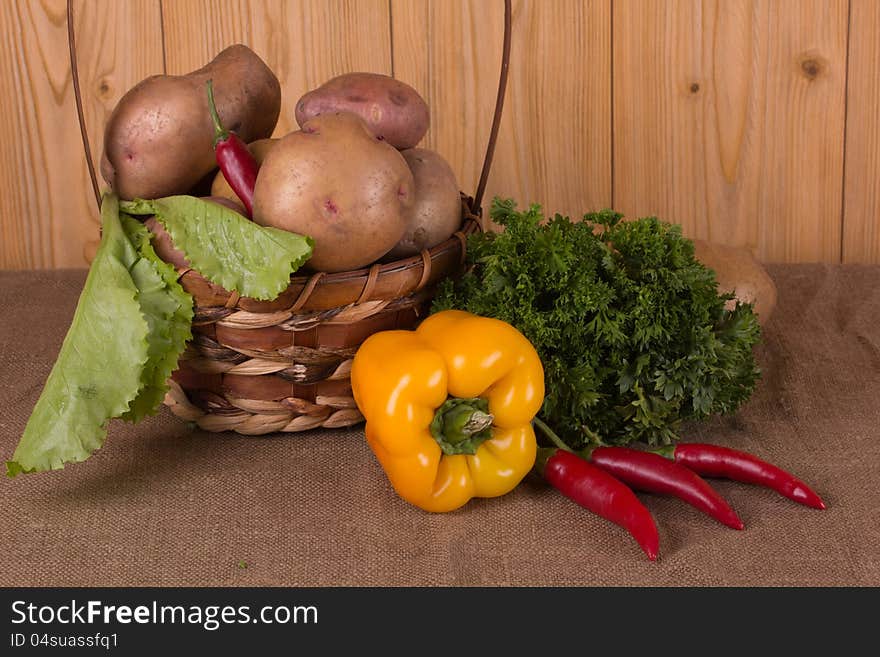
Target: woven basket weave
(258,367)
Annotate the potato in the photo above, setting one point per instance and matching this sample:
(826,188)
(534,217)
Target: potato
(231,203)
(163,246)
(737,271)
(258,149)
(159,138)
(437,210)
(335,181)
(393,110)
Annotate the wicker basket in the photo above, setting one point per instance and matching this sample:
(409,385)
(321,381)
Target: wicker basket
(258,367)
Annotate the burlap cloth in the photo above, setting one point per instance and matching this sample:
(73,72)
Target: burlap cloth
(163,505)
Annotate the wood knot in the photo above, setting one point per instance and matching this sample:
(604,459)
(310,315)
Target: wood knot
(105,88)
(695,87)
(811,67)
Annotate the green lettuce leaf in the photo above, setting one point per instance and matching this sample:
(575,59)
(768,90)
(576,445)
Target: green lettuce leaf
(99,368)
(133,320)
(168,310)
(225,247)
(130,326)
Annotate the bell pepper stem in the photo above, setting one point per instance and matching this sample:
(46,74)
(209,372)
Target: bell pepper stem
(461,425)
(476,421)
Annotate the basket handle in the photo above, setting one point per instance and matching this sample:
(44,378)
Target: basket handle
(77,93)
(499,106)
(490,146)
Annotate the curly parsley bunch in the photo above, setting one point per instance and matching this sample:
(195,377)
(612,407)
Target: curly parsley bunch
(631,329)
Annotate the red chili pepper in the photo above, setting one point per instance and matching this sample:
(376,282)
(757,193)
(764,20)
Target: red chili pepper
(716,461)
(233,157)
(596,490)
(653,473)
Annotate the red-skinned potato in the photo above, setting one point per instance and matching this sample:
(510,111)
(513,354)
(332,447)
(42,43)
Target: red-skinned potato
(336,182)
(159,139)
(436,214)
(392,109)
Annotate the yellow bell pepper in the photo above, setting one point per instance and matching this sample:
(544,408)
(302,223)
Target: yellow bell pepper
(448,407)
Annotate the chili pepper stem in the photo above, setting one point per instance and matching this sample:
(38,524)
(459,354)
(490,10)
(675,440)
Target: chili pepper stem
(666,451)
(543,455)
(552,435)
(220,133)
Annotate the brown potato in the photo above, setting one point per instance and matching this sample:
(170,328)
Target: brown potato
(737,271)
(437,210)
(258,149)
(336,182)
(159,138)
(393,110)
(163,246)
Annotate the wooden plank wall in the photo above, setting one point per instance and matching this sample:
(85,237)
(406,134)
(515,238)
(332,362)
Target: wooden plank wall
(750,122)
